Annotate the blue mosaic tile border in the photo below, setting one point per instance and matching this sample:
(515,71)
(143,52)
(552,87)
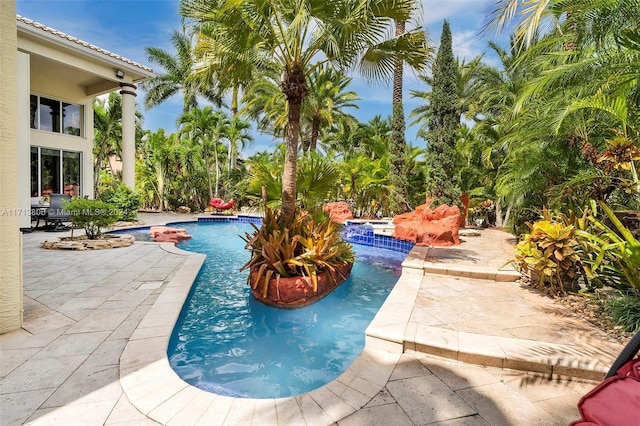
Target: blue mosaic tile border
(363,234)
(250,219)
(239,218)
(352,233)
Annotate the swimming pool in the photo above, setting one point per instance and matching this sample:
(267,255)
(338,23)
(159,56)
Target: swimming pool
(227,343)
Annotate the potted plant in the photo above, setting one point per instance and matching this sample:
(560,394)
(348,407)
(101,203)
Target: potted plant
(297,262)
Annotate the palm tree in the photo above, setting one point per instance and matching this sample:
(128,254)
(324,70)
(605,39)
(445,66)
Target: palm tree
(207,128)
(342,138)
(236,132)
(531,14)
(317,177)
(265,170)
(326,101)
(265,103)
(298,36)
(155,154)
(177,76)
(107,138)
(588,83)
(406,48)
(234,71)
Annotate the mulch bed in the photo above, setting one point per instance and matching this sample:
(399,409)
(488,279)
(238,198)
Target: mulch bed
(586,307)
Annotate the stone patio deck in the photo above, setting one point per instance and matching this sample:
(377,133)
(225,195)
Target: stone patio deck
(93,346)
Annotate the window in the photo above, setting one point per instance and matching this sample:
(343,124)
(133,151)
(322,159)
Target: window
(71,119)
(55,172)
(71,173)
(55,116)
(49,171)
(49,115)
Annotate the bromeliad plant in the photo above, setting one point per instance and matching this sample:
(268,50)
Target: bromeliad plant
(306,245)
(547,253)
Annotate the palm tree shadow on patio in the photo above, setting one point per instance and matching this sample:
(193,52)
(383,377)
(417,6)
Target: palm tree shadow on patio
(425,390)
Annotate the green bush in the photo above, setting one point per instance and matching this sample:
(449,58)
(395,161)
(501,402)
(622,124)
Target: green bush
(610,255)
(624,310)
(547,253)
(123,198)
(92,215)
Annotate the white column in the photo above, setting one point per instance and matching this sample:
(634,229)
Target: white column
(128,93)
(24,143)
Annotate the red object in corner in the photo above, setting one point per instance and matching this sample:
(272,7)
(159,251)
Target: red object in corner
(220,204)
(615,401)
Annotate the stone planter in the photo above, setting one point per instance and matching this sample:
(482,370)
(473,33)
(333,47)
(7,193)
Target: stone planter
(105,241)
(296,292)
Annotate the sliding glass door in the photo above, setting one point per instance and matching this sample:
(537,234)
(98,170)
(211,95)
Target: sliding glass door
(54,171)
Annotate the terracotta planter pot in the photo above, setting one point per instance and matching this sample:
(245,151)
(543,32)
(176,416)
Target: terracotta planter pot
(296,292)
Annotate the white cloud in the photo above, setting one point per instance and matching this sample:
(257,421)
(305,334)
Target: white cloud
(466,45)
(472,10)
(445,10)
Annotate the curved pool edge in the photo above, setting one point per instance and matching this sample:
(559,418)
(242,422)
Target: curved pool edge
(158,392)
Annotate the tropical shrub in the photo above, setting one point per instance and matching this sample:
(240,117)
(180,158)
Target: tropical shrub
(483,212)
(624,310)
(547,254)
(304,246)
(92,215)
(126,201)
(613,255)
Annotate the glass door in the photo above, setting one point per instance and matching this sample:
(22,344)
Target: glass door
(71,173)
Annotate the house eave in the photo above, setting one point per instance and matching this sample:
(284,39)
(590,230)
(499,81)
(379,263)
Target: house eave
(43,33)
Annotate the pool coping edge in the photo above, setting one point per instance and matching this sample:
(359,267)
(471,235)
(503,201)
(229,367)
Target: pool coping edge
(159,393)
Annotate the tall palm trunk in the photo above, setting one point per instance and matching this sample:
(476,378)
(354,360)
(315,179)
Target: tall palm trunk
(160,177)
(294,86)
(102,152)
(289,189)
(499,221)
(96,171)
(397,72)
(234,111)
(215,152)
(229,162)
(207,164)
(234,101)
(315,131)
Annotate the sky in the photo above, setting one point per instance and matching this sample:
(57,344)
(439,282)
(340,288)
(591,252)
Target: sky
(126,27)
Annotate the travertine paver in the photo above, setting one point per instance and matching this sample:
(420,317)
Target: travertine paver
(96,323)
(505,324)
(428,390)
(80,310)
(391,414)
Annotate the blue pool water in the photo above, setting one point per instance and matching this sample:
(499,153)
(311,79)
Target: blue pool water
(227,343)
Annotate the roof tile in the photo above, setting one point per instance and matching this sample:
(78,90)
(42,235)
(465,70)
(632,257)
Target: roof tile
(80,42)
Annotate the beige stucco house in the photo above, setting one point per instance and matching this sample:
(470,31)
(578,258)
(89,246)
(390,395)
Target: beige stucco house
(48,81)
